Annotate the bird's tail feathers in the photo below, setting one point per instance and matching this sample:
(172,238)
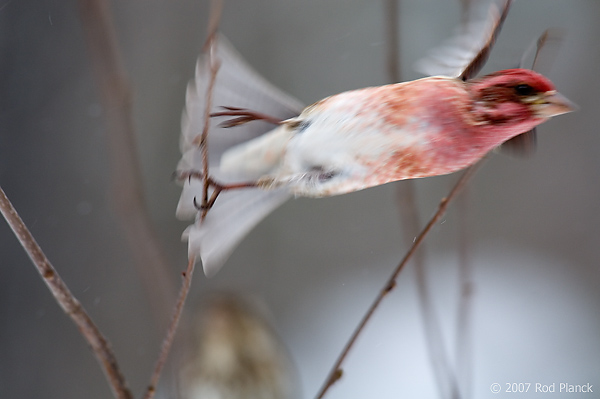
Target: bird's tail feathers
(235,212)
(237,85)
(233,216)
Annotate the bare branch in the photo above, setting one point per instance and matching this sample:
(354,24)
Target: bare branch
(126,176)
(409,217)
(216,9)
(336,371)
(463,345)
(168,341)
(202,142)
(392,34)
(210,49)
(66,300)
(465,10)
(438,354)
(481,58)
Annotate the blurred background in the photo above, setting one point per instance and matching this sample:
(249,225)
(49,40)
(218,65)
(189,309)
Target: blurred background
(533,223)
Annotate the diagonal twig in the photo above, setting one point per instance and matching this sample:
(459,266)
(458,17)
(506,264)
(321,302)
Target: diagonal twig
(126,176)
(210,48)
(336,371)
(463,341)
(168,341)
(463,347)
(392,36)
(202,142)
(480,59)
(71,306)
(409,217)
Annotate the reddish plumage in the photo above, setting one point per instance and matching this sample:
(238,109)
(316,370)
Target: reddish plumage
(427,127)
(355,140)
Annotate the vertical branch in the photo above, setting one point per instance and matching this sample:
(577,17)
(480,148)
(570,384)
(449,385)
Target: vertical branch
(409,217)
(126,176)
(465,10)
(438,355)
(201,140)
(168,341)
(210,47)
(336,371)
(392,36)
(463,346)
(67,301)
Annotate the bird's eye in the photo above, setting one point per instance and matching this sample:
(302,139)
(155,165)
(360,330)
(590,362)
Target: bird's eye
(524,90)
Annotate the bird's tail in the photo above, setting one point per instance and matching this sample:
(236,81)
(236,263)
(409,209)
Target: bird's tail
(235,212)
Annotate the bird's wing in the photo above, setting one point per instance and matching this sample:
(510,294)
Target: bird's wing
(237,85)
(463,55)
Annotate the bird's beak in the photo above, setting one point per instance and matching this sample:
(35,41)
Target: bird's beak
(551,103)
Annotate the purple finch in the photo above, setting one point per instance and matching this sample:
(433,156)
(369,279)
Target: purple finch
(237,355)
(343,143)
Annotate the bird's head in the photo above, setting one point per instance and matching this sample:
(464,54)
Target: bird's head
(516,97)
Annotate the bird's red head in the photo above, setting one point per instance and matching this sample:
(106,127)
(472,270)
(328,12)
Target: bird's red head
(521,82)
(514,97)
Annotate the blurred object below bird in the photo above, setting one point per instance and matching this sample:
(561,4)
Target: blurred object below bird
(237,356)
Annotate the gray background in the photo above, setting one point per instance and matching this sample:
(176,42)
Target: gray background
(317,264)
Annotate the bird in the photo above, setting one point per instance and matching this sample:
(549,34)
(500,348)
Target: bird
(345,142)
(236,354)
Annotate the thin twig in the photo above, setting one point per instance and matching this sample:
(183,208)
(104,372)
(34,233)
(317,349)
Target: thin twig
(392,34)
(409,217)
(336,371)
(126,175)
(463,354)
(463,317)
(66,300)
(210,48)
(202,142)
(168,341)
(438,355)
(465,11)
(481,58)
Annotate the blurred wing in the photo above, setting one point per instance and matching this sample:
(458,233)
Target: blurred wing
(550,42)
(522,145)
(525,144)
(235,212)
(237,85)
(466,53)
